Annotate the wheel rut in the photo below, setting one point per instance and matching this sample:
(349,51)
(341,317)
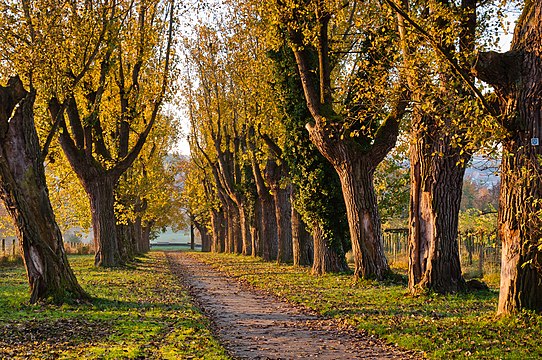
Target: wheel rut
(252,324)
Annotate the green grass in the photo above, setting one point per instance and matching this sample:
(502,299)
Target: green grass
(440,327)
(139,312)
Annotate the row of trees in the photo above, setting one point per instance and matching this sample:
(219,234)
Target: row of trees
(87,83)
(292,101)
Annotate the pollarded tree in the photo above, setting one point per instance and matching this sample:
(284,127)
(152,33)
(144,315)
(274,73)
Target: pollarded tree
(516,78)
(438,156)
(121,97)
(444,133)
(317,188)
(353,128)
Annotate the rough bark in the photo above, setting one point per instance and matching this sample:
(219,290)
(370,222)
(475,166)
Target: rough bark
(363,219)
(436,168)
(274,174)
(302,249)
(145,245)
(327,259)
(517,79)
(435,197)
(101,194)
(219,231)
(356,172)
(26,197)
(268,221)
(125,241)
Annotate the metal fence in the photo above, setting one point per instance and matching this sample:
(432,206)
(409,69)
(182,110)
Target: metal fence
(479,252)
(11,250)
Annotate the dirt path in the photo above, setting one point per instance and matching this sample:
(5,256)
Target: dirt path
(254,325)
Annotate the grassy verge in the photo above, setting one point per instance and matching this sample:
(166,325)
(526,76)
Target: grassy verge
(140,312)
(442,327)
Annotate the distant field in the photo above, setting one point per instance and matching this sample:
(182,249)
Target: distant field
(176,247)
(169,236)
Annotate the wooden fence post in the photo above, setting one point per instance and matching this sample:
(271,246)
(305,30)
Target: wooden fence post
(13,248)
(4,247)
(481,256)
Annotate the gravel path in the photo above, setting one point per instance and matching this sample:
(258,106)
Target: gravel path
(254,325)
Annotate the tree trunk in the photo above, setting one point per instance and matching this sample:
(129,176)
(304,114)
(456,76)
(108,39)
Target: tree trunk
(192,238)
(245,231)
(283,211)
(517,79)
(435,197)
(205,237)
(301,241)
(146,237)
(355,169)
(101,194)
(219,233)
(268,223)
(26,197)
(234,241)
(126,241)
(356,178)
(138,236)
(256,231)
(269,228)
(326,258)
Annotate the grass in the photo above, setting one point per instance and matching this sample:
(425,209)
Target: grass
(139,312)
(441,327)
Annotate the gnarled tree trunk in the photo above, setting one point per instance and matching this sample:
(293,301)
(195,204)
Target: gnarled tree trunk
(356,176)
(435,198)
(437,162)
(517,79)
(26,197)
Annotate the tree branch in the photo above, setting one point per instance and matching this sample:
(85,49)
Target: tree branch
(446,54)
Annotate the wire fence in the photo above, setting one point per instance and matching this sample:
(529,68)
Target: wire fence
(11,250)
(479,252)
